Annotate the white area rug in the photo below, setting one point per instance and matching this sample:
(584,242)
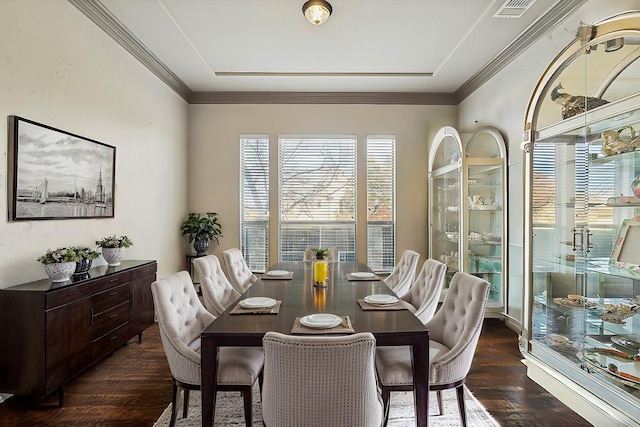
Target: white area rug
(401,414)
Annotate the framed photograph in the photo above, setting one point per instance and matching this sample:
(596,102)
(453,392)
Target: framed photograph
(625,252)
(53,174)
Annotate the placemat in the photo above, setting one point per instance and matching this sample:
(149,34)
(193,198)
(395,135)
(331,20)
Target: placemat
(395,306)
(289,276)
(344,328)
(269,310)
(366,279)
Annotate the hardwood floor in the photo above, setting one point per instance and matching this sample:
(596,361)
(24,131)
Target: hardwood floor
(133,386)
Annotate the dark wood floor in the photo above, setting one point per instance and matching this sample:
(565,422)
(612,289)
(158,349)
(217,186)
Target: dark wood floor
(133,386)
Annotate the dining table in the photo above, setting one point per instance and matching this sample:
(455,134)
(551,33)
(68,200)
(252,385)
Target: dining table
(298,296)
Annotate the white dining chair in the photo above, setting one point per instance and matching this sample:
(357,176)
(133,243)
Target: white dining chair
(403,273)
(217,292)
(238,272)
(181,318)
(453,336)
(320,381)
(423,295)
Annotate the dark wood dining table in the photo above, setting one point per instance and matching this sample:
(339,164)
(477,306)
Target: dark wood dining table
(299,298)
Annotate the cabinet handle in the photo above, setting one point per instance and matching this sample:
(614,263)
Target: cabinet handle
(589,244)
(575,244)
(113,294)
(113,338)
(113,280)
(113,316)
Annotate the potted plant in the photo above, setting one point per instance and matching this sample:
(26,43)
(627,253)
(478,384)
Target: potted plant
(113,248)
(60,263)
(320,267)
(86,256)
(201,228)
(321,253)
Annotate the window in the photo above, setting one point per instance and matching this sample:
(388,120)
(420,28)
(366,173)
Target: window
(254,203)
(380,203)
(317,178)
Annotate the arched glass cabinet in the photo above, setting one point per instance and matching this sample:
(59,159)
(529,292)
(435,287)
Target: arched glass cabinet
(581,335)
(467,199)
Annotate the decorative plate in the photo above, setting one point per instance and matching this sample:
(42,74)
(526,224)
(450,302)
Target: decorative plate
(257,302)
(321,321)
(380,299)
(362,274)
(277,273)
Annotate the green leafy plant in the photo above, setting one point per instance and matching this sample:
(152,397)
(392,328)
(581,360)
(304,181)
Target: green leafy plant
(86,253)
(321,253)
(114,242)
(202,226)
(59,255)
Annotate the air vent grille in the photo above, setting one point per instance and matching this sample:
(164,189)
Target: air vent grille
(513,8)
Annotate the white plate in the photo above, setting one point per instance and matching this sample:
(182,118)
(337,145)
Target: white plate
(257,302)
(321,320)
(277,273)
(362,274)
(380,299)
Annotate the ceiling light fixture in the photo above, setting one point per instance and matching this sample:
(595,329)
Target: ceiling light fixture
(317,11)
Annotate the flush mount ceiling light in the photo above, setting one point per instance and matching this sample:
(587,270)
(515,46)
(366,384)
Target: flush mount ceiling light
(317,11)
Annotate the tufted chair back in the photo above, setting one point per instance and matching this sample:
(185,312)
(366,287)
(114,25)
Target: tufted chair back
(181,318)
(239,274)
(457,326)
(320,381)
(217,292)
(424,294)
(404,272)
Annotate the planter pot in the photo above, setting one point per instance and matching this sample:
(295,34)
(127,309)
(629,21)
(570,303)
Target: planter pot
(61,271)
(113,256)
(82,267)
(201,246)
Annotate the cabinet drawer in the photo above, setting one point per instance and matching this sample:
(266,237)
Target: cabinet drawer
(144,271)
(111,281)
(110,342)
(110,298)
(66,295)
(110,319)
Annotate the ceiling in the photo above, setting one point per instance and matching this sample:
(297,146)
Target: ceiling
(429,50)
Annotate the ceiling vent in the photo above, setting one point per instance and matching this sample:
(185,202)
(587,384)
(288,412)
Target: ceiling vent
(513,8)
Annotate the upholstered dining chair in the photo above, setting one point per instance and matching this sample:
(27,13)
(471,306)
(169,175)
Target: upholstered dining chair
(238,272)
(181,317)
(453,335)
(320,381)
(403,273)
(217,292)
(424,294)
(333,254)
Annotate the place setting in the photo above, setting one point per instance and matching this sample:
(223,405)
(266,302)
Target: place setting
(381,302)
(322,323)
(362,275)
(257,305)
(278,275)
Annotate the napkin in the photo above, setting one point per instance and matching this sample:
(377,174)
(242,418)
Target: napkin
(344,328)
(261,310)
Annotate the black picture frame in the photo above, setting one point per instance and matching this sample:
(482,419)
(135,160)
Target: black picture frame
(54,174)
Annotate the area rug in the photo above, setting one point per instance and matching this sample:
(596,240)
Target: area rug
(229,411)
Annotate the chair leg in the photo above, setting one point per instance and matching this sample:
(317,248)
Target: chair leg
(174,404)
(439,397)
(386,397)
(463,412)
(185,403)
(248,406)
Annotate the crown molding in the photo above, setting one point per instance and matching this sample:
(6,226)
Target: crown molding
(375,98)
(107,22)
(556,14)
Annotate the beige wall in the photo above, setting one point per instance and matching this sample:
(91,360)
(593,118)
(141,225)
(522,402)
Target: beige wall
(58,68)
(214,157)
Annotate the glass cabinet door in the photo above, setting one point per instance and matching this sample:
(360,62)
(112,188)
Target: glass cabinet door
(445,199)
(485,213)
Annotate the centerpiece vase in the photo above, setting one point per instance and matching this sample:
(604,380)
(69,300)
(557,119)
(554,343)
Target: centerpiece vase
(320,272)
(113,256)
(60,271)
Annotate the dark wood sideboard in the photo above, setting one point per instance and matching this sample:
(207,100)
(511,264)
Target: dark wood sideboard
(50,332)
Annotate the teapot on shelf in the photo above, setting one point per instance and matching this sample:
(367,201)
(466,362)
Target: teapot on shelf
(475,201)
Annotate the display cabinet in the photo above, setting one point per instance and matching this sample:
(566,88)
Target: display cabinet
(467,207)
(581,336)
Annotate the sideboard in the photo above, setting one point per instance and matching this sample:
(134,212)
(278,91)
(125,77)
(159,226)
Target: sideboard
(50,332)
